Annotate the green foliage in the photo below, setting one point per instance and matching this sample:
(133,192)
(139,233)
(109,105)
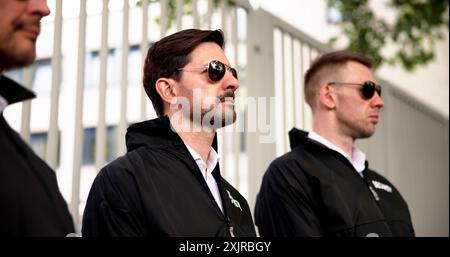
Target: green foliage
(416,28)
(187,9)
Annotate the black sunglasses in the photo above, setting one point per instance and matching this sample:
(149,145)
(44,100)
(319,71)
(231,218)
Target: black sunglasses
(216,70)
(368,88)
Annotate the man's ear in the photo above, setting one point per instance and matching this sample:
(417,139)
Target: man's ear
(166,89)
(327,97)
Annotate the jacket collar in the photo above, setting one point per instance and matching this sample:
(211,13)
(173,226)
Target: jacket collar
(13,92)
(155,132)
(299,137)
(158,133)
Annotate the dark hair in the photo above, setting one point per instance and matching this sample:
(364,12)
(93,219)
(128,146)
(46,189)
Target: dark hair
(170,53)
(329,65)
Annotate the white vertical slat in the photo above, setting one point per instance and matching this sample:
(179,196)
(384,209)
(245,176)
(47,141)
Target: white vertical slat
(303,70)
(223,15)
(209,13)
(236,134)
(52,139)
(121,147)
(195,14)
(179,14)
(144,47)
(223,147)
(288,88)
(279,99)
(100,134)
(279,94)
(26,106)
(307,114)
(298,83)
(163,18)
(78,131)
(260,69)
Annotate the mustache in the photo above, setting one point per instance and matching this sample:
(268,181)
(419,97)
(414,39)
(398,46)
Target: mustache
(226,95)
(27,24)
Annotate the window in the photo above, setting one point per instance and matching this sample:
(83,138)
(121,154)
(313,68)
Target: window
(42,79)
(92,71)
(134,66)
(89,145)
(15,74)
(92,79)
(39,145)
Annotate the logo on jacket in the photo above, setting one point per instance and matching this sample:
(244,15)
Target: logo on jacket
(382,186)
(233,201)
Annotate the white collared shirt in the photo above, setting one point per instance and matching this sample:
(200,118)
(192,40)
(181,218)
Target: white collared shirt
(206,170)
(3,103)
(357,159)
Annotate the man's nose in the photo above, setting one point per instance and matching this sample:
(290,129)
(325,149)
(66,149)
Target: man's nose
(376,101)
(230,82)
(39,7)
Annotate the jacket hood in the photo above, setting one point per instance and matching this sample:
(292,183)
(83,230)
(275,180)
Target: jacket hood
(297,137)
(154,132)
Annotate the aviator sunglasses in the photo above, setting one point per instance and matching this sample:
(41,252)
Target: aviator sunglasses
(368,88)
(216,70)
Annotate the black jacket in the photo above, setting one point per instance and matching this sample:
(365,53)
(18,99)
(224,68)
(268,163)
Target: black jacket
(315,191)
(30,201)
(156,189)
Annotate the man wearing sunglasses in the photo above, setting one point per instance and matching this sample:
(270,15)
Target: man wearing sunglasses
(169,182)
(324,186)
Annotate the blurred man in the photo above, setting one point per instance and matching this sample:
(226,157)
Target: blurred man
(324,186)
(169,182)
(30,201)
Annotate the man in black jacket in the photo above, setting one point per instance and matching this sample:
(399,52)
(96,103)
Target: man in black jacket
(30,201)
(324,187)
(169,182)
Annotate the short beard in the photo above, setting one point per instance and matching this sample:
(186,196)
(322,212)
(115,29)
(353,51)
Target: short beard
(13,59)
(217,117)
(203,115)
(358,132)
(11,54)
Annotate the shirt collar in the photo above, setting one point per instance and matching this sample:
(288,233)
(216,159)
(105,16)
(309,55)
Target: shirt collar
(357,159)
(12,92)
(211,162)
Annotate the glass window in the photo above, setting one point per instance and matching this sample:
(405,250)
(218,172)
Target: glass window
(113,68)
(92,72)
(42,79)
(39,145)
(92,78)
(15,74)
(111,143)
(134,66)
(89,145)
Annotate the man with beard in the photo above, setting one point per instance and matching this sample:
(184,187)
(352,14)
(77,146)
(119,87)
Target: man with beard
(30,201)
(323,186)
(169,183)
